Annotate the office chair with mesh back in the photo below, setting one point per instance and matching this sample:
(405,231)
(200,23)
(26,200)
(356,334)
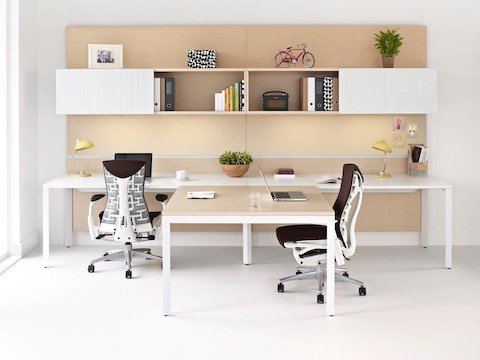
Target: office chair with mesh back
(309,244)
(126,217)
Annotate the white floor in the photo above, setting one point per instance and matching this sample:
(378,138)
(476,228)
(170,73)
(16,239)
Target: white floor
(414,309)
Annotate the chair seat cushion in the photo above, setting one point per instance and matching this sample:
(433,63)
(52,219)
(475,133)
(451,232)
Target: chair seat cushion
(294,233)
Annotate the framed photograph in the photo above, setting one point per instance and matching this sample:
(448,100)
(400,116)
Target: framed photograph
(101,56)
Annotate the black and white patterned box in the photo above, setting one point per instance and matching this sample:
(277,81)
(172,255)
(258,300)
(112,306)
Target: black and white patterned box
(205,59)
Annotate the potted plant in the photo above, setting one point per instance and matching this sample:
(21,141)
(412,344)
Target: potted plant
(388,44)
(235,163)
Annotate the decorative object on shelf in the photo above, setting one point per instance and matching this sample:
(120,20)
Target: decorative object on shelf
(285,58)
(382,146)
(235,163)
(388,44)
(79,146)
(202,59)
(275,101)
(102,56)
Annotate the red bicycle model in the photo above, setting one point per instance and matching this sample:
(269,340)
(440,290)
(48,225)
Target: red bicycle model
(285,58)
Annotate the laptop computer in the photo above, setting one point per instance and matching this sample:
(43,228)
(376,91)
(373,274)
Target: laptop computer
(147,157)
(283,195)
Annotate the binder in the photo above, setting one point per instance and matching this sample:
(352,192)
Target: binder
(335,94)
(304,94)
(162,94)
(156,95)
(319,101)
(169,94)
(327,93)
(311,94)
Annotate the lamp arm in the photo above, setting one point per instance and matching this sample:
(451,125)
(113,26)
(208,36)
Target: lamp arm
(384,163)
(74,165)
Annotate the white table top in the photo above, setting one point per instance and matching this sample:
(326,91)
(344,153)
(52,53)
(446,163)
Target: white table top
(167,182)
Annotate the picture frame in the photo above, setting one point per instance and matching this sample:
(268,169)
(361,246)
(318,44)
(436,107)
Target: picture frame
(105,56)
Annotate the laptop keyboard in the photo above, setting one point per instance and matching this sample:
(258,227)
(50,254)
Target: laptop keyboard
(282,195)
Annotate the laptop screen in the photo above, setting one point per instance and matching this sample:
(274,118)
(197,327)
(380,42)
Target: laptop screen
(147,157)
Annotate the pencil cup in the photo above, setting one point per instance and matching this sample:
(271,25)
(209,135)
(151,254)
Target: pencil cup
(255,200)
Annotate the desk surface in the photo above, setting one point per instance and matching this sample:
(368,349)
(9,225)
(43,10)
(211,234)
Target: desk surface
(165,182)
(235,201)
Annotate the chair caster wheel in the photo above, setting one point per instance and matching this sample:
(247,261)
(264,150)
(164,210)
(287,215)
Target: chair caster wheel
(320,299)
(128,274)
(362,291)
(346,274)
(280,287)
(91,268)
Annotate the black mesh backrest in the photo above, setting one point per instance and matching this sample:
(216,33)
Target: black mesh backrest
(123,168)
(345,186)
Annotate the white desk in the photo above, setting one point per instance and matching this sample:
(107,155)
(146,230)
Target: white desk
(165,182)
(231,206)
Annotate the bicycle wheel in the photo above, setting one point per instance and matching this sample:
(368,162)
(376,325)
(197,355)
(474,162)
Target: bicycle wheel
(281,60)
(308,60)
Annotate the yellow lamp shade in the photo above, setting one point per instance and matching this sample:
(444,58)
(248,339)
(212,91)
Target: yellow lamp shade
(83,144)
(382,146)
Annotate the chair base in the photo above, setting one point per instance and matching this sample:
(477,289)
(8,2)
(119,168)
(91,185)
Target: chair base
(127,254)
(319,273)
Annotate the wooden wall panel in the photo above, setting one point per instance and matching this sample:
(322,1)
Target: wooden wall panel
(158,46)
(309,143)
(335,46)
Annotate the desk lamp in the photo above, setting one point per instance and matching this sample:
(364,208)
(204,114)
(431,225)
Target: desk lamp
(382,146)
(79,146)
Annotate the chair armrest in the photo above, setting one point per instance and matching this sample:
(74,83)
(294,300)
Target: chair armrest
(97,197)
(161,197)
(92,227)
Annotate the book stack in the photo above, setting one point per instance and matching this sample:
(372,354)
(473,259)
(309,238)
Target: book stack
(284,173)
(319,93)
(232,98)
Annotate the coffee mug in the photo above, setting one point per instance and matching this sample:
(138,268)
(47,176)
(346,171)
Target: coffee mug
(181,175)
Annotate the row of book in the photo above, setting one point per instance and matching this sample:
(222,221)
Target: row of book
(420,154)
(319,93)
(232,98)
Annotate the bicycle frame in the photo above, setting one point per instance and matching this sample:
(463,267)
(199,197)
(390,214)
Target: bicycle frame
(289,52)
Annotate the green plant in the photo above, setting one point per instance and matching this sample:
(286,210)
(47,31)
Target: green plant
(388,42)
(235,158)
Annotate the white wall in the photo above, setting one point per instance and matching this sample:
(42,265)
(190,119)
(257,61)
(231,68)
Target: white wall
(452,35)
(22,197)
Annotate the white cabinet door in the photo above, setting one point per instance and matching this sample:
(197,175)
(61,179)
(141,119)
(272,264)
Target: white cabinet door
(105,91)
(387,91)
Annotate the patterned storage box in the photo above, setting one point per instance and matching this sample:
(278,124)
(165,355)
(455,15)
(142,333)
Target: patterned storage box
(202,59)
(418,169)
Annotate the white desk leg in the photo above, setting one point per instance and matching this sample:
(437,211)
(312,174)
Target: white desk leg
(424,224)
(68,230)
(331,268)
(247,244)
(448,228)
(166,266)
(46,226)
